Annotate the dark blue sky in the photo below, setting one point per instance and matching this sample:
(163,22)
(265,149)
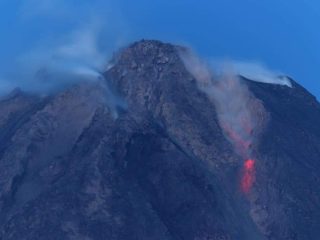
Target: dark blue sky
(282,34)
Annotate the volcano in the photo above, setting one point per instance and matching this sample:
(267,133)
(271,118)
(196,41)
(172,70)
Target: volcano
(162,166)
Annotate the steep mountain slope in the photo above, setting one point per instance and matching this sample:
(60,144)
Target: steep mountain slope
(162,167)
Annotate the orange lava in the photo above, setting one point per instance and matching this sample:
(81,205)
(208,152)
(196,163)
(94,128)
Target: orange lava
(248,176)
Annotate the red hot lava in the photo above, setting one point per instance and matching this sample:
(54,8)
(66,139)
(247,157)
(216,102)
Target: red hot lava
(248,176)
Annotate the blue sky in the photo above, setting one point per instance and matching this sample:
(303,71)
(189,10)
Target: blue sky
(283,35)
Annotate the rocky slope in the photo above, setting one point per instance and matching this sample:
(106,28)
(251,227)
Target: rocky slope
(76,166)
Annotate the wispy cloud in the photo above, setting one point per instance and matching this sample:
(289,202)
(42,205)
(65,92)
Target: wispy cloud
(76,57)
(255,71)
(48,8)
(78,51)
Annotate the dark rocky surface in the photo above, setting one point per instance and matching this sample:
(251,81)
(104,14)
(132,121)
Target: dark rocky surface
(159,169)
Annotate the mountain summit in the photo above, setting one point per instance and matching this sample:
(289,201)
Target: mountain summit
(166,156)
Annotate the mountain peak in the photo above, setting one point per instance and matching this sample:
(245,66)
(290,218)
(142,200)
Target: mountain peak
(165,168)
(147,52)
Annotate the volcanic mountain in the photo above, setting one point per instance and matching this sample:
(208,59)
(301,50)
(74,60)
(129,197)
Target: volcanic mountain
(164,157)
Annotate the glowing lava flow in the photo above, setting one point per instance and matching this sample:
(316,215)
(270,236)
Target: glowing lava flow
(248,176)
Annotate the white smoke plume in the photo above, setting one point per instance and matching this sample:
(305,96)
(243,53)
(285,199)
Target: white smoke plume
(76,51)
(76,58)
(257,72)
(240,114)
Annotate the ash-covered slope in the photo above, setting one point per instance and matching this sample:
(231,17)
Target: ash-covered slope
(162,167)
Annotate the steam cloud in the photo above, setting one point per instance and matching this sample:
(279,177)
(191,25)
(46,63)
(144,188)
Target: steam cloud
(240,114)
(63,59)
(46,69)
(238,110)
(257,72)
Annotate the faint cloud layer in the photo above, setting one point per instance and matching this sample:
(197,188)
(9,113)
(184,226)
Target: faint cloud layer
(78,51)
(250,70)
(53,8)
(75,58)
(258,72)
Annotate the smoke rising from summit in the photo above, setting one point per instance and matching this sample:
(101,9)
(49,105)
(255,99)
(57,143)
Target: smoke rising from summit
(47,69)
(77,48)
(240,114)
(258,72)
(237,108)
